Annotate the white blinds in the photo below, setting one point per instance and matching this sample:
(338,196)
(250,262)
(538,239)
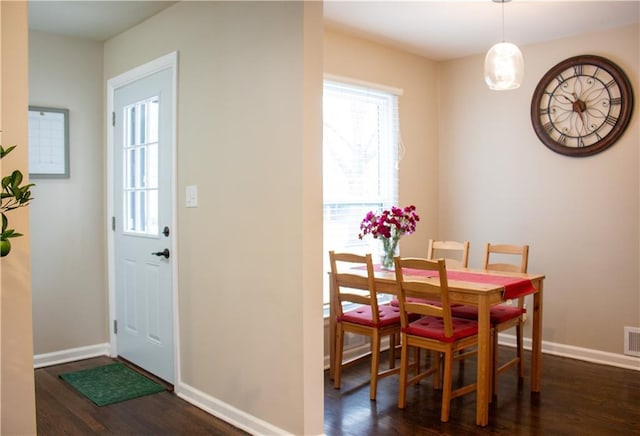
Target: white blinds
(360,153)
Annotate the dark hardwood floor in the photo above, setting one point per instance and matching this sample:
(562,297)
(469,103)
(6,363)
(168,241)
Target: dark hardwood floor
(61,410)
(577,398)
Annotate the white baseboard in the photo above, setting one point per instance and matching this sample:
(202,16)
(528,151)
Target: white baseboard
(226,412)
(572,352)
(360,350)
(562,350)
(70,355)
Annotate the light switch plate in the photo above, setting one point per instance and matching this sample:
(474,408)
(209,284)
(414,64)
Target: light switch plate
(191,196)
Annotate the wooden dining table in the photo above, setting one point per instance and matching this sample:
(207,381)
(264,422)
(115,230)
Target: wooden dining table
(474,287)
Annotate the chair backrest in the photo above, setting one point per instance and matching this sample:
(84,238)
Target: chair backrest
(456,254)
(414,292)
(506,257)
(349,286)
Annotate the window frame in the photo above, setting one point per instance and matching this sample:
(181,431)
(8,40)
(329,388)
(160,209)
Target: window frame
(388,183)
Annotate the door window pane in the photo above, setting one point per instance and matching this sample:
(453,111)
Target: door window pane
(141,167)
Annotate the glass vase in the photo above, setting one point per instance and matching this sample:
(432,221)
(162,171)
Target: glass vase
(389,248)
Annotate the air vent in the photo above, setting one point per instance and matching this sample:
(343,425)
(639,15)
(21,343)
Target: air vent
(632,341)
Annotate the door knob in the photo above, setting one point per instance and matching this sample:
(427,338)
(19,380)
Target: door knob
(164,253)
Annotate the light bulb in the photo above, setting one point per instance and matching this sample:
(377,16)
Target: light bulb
(503,67)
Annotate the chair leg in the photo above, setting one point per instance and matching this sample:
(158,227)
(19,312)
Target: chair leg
(402,392)
(375,364)
(437,382)
(396,341)
(520,351)
(392,350)
(446,388)
(337,365)
(461,364)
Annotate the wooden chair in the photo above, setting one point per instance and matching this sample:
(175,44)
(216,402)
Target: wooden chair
(456,254)
(510,258)
(366,317)
(435,330)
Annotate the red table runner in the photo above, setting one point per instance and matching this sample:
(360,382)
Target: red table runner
(514,287)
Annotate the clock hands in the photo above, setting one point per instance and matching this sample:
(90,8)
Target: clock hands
(577,106)
(580,107)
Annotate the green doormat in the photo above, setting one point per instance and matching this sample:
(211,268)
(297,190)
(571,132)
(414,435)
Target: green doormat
(111,383)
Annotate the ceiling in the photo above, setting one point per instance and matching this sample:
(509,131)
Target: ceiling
(441,30)
(437,29)
(96,20)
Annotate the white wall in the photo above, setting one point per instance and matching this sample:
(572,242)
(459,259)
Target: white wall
(249,260)
(67,218)
(499,183)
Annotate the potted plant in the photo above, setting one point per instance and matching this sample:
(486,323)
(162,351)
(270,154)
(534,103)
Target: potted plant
(12,196)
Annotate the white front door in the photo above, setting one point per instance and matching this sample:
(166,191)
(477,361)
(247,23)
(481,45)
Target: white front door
(142,222)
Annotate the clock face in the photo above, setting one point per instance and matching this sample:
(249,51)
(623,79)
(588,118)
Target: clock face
(582,105)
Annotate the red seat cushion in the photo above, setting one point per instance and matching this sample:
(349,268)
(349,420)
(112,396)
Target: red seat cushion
(362,315)
(503,312)
(499,313)
(433,328)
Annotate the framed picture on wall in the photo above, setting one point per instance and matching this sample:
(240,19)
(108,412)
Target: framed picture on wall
(48,142)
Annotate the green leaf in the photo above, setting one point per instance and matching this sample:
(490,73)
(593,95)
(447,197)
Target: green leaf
(12,195)
(8,234)
(16,178)
(4,152)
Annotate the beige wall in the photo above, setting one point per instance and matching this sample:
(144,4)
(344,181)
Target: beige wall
(356,58)
(312,325)
(249,256)
(17,397)
(248,108)
(499,183)
(68,249)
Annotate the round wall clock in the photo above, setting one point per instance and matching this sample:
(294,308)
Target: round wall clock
(582,105)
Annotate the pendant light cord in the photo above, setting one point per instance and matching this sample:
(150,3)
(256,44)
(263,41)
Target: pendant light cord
(503,21)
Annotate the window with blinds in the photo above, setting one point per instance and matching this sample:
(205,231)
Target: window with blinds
(360,171)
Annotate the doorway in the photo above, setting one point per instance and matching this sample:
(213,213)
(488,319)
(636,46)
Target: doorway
(141,207)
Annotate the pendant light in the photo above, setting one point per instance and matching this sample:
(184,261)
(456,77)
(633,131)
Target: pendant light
(503,65)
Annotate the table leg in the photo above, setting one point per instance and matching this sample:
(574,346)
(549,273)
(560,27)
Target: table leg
(536,340)
(484,362)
